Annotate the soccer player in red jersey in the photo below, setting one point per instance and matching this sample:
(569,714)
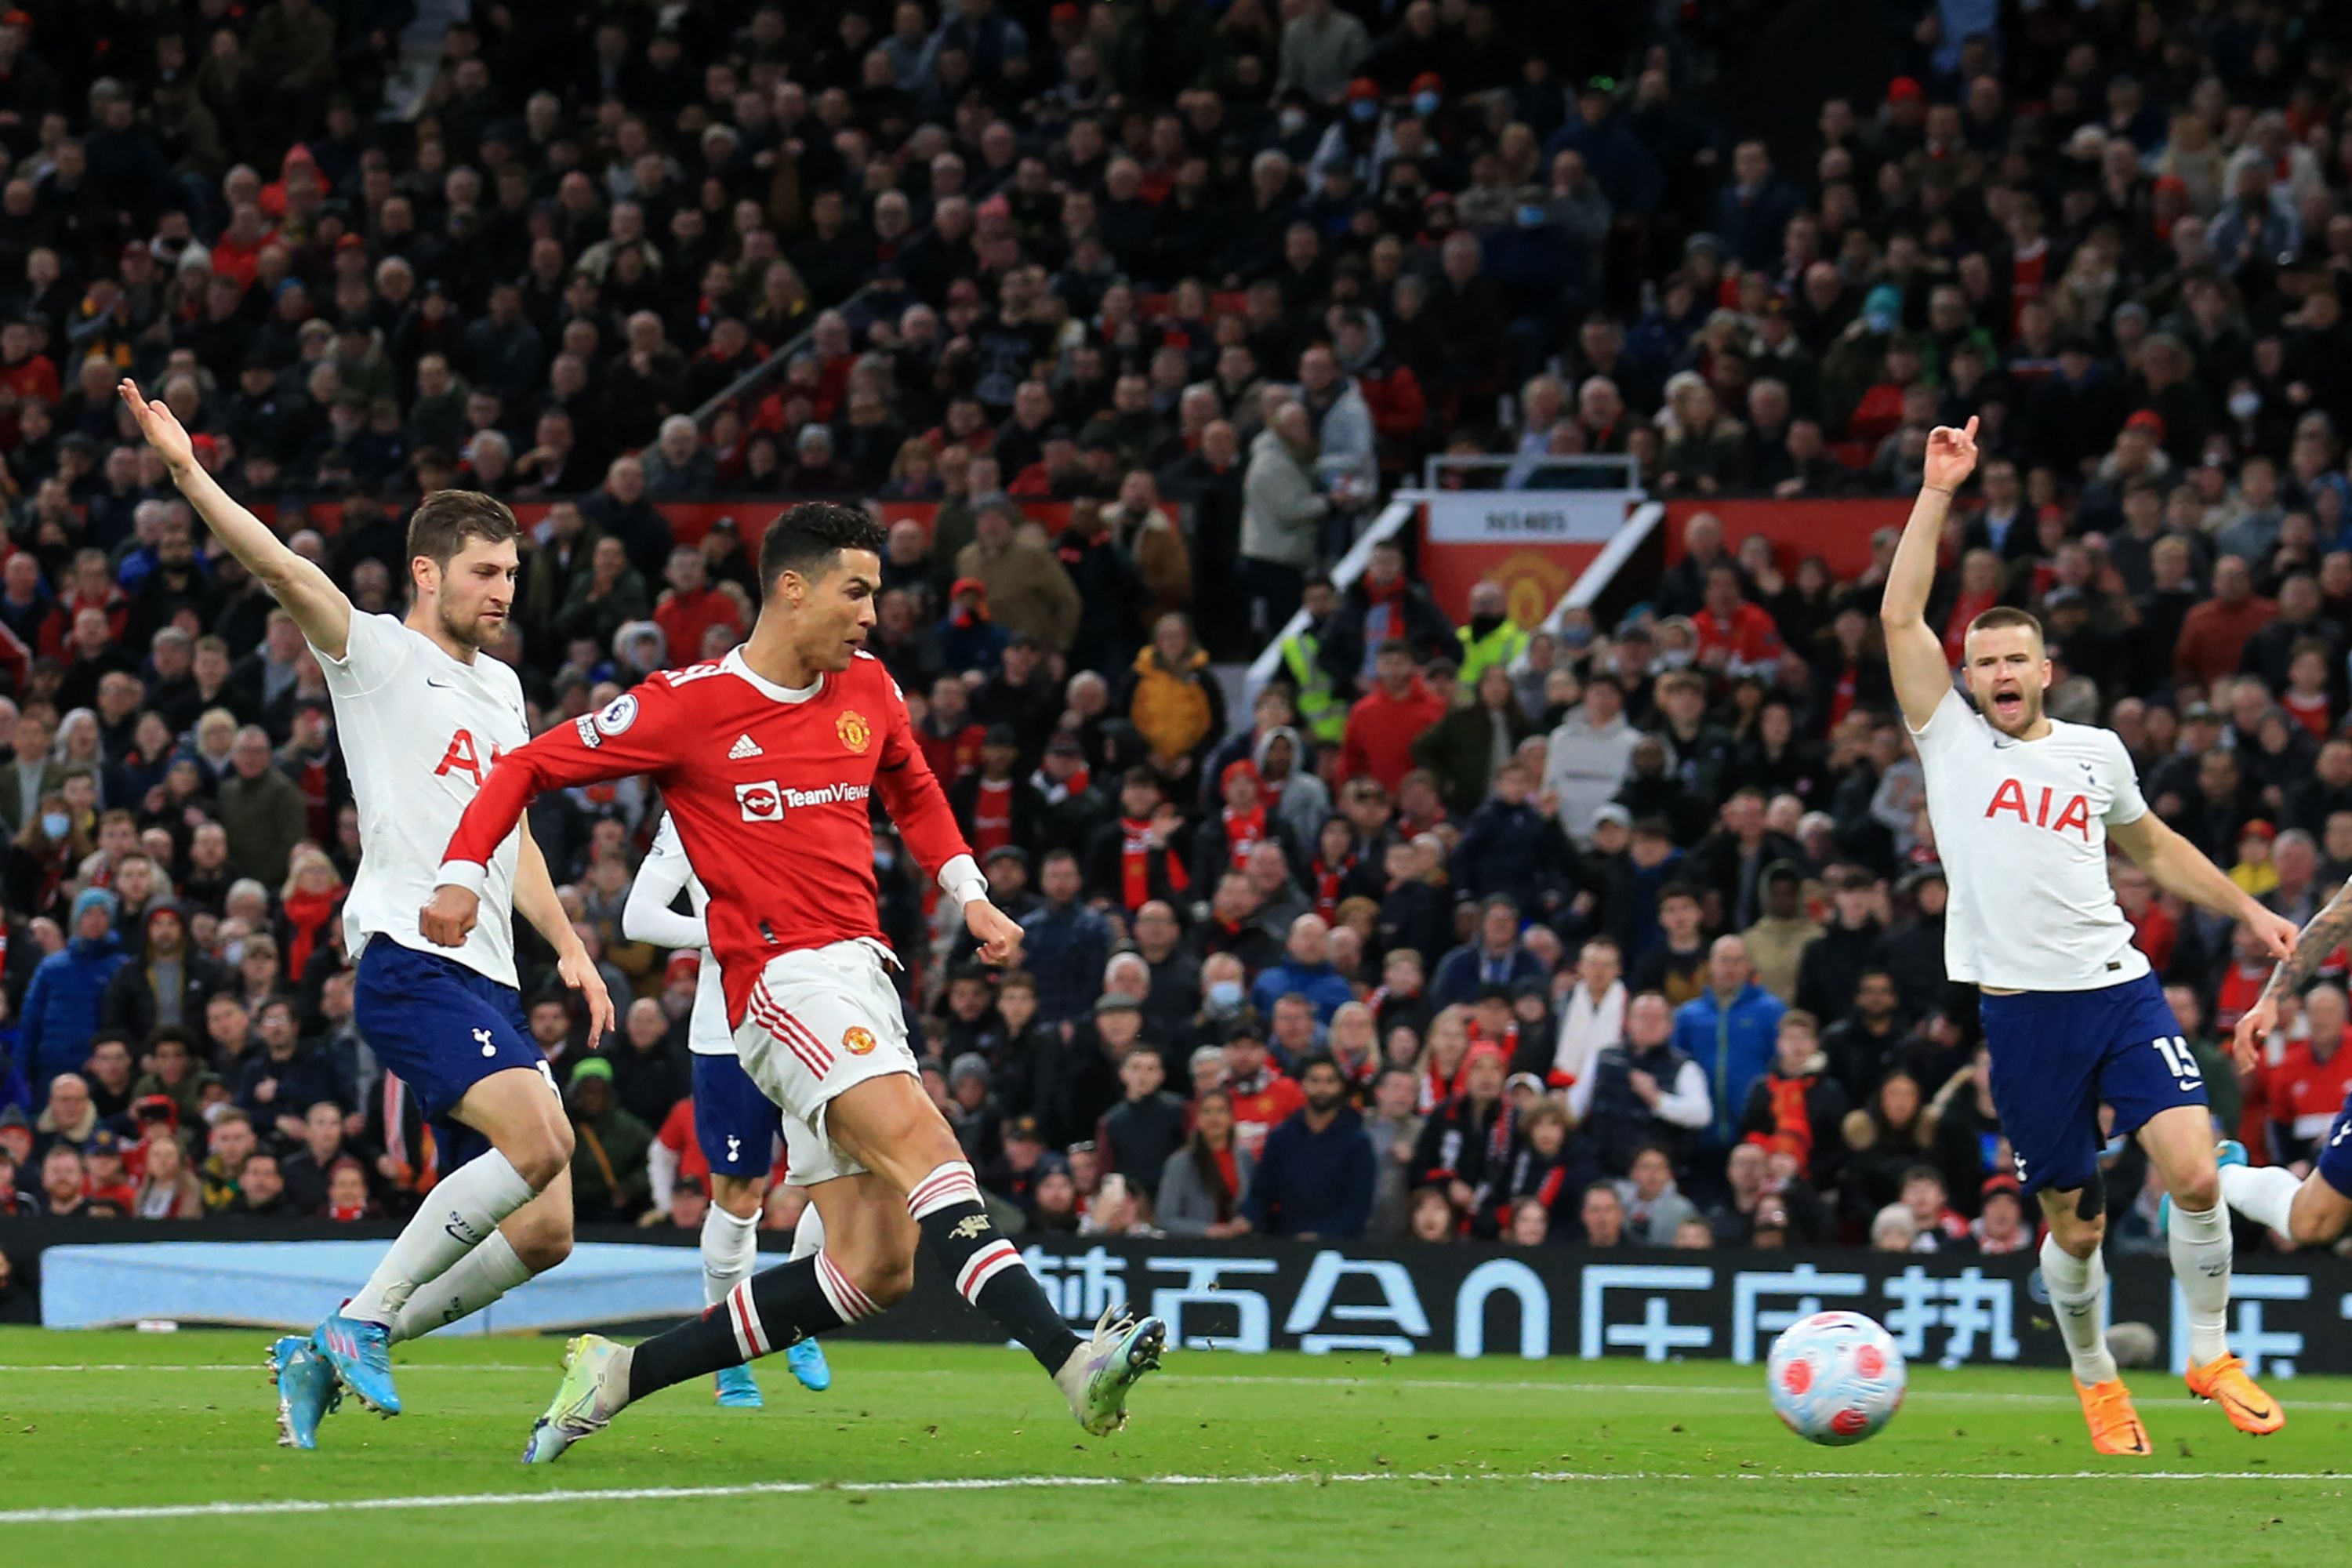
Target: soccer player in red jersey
(766,761)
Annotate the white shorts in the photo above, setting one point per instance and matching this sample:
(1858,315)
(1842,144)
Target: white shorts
(820,1021)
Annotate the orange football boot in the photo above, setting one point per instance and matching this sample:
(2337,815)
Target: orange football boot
(2114,1424)
(2225,1383)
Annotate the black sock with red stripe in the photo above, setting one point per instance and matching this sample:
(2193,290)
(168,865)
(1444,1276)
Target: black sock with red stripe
(772,1310)
(985,1265)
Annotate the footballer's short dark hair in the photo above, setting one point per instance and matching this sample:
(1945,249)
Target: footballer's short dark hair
(806,538)
(446,519)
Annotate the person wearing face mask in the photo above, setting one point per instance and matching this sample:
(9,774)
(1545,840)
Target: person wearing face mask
(1224,992)
(1358,141)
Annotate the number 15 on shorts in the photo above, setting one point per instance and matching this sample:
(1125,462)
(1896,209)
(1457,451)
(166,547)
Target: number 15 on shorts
(2180,1061)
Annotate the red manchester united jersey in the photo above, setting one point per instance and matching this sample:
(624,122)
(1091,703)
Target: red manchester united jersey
(769,789)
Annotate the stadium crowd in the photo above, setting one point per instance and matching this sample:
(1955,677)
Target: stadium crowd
(1620,934)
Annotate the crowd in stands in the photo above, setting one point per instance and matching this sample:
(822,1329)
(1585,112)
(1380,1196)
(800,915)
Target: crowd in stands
(1624,934)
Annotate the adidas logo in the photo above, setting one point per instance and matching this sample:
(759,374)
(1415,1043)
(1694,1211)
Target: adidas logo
(744,746)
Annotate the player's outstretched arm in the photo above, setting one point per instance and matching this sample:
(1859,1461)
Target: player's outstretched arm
(2328,929)
(1914,652)
(633,734)
(920,810)
(2179,867)
(646,916)
(318,606)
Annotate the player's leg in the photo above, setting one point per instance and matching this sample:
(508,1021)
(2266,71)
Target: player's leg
(735,1128)
(890,1125)
(873,1242)
(2310,1212)
(530,1241)
(806,1357)
(457,1039)
(2043,1088)
(2149,1077)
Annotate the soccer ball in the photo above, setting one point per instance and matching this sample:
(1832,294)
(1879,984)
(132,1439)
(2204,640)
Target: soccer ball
(1836,1378)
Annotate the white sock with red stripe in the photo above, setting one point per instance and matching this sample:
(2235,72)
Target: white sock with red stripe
(731,1246)
(985,1265)
(458,1215)
(769,1311)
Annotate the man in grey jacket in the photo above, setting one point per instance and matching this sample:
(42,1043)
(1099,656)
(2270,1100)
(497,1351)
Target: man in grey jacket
(1586,760)
(1281,510)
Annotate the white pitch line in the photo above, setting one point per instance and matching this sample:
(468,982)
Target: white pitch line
(1338,1380)
(1030,1483)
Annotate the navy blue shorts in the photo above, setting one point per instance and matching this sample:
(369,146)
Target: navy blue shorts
(2334,1161)
(2056,1055)
(441,1026)
(736,1125)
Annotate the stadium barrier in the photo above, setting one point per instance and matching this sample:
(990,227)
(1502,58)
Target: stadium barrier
(2287,1317)
(1837,528)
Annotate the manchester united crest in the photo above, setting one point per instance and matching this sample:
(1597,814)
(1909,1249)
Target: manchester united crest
(857,734)
(858,1041)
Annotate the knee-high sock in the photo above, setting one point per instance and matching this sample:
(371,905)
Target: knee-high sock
(808,1234)
(2199,1241)
(731,1246)
(458,1215)
(985,1265)
(465,1287)
(2264,1194)
(772,1310)
(2078,1299)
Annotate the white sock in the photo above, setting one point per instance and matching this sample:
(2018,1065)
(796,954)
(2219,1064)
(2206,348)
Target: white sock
(463,1289)
(808,1234)
(2199,1244)
(2078,1299)
(730,1247)
(458,1215)
(2264,1194)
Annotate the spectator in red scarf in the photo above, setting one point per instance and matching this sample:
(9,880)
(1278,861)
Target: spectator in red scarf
(1140,857)
(1224,841)
(1465,1145)
(1797,1107)
(313,894)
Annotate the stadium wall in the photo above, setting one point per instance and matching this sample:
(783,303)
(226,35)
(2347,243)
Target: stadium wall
(1838,531)
(2288,1316)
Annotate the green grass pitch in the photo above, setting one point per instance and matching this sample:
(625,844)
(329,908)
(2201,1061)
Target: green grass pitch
(153,1447)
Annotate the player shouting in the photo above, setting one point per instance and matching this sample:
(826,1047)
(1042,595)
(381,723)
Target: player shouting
(735,1123)
(2023,807)
(421,715)
(766,760)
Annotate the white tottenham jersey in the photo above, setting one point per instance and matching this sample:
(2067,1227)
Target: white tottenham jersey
(665,869)
(419,731)
(2021,828)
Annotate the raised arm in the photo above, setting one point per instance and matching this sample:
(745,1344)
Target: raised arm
(1914,652)
(2328,929)
(318,606)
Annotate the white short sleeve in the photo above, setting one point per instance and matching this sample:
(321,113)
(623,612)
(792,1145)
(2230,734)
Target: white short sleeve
(379,645)
(2128,805)
(1946,726)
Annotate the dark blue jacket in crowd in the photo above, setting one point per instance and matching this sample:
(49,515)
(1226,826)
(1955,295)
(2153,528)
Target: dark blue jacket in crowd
(1065,950)
(1319,982)
(62,1008)
(1733,1045)
(1513,849)
(1629,176)
(1313,1182)
(1461,972)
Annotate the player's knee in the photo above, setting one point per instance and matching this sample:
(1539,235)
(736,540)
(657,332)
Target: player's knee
(2199,1192)
(542,1246)
(2311,1225)
(887,1281)
(2075,1236)
(542,1154)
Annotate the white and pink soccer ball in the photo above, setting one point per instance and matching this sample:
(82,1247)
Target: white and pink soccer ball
(1836,1378)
